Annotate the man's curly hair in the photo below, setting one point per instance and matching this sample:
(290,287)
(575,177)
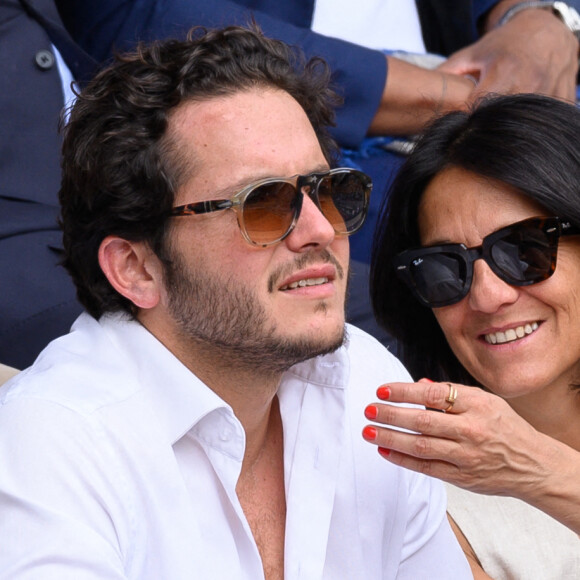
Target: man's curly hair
(120,168)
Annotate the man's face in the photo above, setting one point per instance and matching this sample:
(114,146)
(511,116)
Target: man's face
(220,291)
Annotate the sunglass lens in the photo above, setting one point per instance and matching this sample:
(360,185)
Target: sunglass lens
(343,198)
(269,211)
(525,255)
(439,278)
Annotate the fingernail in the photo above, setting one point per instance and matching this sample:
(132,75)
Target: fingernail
(384,452)
(384,393)
(425,379)
(371,412)
(369,433)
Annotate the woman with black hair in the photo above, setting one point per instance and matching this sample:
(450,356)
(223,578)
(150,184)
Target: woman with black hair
(476,272)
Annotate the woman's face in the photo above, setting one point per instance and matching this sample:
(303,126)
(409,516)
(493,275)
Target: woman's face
(461,207)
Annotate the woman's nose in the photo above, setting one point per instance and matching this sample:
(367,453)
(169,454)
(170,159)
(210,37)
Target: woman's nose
(488,292)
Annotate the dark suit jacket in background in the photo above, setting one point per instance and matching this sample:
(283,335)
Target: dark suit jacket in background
(37,298)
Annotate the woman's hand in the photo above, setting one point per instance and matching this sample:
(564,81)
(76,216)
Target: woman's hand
(479,443)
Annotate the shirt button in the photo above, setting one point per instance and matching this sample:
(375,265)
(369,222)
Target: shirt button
(44,59)
(225,435)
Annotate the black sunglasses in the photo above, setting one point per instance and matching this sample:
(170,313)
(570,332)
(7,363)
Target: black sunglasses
(520,254)
(268,210)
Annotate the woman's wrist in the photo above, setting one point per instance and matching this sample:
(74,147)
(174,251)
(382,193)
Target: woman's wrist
(555,489)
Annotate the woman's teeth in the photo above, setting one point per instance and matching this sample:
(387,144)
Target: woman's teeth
(511,334)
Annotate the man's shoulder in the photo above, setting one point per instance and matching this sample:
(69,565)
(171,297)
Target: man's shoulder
(81,371)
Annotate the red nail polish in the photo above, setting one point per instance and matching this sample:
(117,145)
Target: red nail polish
(384,452)
(384,393)
(371,412)
(426,379)
(369,433)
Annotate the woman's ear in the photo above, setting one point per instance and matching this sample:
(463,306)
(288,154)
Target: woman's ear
(132,269)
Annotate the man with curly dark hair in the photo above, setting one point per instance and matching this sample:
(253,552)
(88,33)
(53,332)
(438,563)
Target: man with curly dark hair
(203,417)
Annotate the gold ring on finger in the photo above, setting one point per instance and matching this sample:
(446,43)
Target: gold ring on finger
(451,397)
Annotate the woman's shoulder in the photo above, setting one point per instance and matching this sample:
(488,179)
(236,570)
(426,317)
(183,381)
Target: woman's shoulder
(512,539)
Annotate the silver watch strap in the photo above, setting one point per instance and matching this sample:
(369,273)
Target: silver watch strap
(511,12)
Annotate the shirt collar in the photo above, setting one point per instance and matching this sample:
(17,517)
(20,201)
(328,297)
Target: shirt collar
(180,398)
(330,370)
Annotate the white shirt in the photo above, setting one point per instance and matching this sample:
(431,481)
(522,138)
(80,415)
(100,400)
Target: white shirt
(117,462)
(378,24)
(66,80)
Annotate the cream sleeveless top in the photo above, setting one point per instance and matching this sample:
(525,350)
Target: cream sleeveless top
(513,540)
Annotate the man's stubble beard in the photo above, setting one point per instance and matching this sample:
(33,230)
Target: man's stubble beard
(220,316)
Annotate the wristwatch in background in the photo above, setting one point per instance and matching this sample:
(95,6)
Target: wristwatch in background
(567,14)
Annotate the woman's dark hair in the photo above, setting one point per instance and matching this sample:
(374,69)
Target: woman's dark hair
(528,142)
(121,169)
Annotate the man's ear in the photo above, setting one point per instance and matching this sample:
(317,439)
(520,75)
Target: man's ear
(132,269)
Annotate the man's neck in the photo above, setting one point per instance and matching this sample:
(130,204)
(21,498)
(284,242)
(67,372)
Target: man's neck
(249,392)
(260,488)
(252,394)
(261,491)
